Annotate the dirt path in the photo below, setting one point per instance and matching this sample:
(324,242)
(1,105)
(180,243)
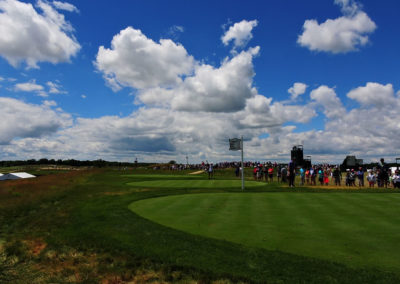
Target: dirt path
(196,173)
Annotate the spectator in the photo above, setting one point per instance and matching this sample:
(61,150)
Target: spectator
(237,171)
(308,176)
(210,171)
(352,178)
(379,178)
(384,173)
(321,176)
(292,172)
(371,178)
(278,173)
(271,173)
(259,173)
(302,176)
(326,177)
(265,170)
(284,174)
(348,177)
(337,176)
(255,170)
(313,175)
(396,179)
(360,177)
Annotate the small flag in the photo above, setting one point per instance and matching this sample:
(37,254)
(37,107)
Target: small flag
(235,144)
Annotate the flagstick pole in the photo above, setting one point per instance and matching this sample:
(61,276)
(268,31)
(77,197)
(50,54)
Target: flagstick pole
(242,166)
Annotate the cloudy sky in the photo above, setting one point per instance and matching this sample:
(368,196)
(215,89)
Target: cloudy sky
(158,80)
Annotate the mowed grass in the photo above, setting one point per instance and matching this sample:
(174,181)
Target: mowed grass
(193,182)
(356,229)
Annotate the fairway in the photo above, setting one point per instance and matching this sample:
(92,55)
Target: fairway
(192,182)
(359,230)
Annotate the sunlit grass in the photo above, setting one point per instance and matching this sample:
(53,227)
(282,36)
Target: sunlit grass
(355,229)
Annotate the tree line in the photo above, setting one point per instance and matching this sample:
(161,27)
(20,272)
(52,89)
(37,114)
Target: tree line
(70,162)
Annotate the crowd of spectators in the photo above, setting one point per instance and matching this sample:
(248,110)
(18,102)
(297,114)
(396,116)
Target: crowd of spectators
(323,175)
(320,174)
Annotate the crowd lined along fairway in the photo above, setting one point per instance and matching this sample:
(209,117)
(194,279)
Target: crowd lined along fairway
(356,229)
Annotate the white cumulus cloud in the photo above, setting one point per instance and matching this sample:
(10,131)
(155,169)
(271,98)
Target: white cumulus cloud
(349,7)
(26,35)
(223,89)
(210,89)
(137,61)
(65,6)
(327,98)
(341,35)
(261,113)
(21,120)
(30,86)
(373,94)
(55,88)
(240,33)
(296,90)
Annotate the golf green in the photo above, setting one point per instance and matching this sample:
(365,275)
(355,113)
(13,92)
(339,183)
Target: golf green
(357,229)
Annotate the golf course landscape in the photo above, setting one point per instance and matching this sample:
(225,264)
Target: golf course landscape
(142,225)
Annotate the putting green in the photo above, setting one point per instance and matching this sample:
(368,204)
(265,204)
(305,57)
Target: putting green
(359,230)
(194,182)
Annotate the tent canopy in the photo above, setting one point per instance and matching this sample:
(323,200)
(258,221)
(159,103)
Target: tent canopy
(15,176)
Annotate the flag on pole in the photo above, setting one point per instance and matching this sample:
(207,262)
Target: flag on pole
(235,144)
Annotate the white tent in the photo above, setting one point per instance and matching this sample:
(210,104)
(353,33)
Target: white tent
(15,176)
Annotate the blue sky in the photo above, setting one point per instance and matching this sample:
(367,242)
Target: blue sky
(160,80)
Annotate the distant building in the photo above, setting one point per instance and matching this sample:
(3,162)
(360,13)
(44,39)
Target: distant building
(15,176)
